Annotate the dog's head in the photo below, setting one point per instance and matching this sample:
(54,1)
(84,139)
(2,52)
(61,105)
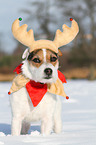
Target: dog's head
(41,65)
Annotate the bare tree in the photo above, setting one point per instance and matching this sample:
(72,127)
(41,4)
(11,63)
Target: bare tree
(39,17)
(48,15)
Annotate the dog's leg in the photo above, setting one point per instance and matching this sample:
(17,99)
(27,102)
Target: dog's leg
(57,118)
(25,127)
(57,124)
(20,107)
(16,126)
(46,126)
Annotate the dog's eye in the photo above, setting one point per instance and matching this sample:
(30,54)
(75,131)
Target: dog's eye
(53,59)
(36,60)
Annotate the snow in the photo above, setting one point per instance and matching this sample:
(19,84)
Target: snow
(78,115)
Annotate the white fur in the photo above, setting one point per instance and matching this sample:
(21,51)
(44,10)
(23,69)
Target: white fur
(44,54)
(48,110)
(25,53)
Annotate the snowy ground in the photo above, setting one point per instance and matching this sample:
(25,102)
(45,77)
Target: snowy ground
(78,115)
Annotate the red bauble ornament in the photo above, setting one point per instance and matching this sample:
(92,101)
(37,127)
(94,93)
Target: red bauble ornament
(9,93)
(67,97)
(71,19)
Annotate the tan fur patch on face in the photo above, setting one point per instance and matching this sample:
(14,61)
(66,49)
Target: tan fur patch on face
(51,57)
(37,59)
(41,56)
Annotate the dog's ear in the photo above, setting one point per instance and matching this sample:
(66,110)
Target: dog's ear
(25,53)
(59,52)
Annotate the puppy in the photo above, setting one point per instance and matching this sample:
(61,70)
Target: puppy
(41,66)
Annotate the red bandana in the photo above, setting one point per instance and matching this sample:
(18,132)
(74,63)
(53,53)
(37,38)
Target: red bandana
(37,90)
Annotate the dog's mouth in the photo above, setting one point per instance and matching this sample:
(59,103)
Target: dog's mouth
(47,77)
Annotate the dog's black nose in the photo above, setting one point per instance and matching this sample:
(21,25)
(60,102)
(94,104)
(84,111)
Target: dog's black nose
(48,71)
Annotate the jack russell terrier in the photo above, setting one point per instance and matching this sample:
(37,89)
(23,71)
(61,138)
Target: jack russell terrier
(35,88)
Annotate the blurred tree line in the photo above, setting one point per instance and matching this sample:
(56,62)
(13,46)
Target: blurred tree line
(46,16)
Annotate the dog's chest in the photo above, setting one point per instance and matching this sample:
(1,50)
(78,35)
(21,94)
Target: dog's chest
(24,106)
(45,108)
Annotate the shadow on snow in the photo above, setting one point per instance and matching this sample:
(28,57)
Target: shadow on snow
(6,128)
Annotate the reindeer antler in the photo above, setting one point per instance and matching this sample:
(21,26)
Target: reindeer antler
(61,38)
(21,34)
(68,34)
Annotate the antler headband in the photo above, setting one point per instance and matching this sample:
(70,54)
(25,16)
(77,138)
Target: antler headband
(61,38)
